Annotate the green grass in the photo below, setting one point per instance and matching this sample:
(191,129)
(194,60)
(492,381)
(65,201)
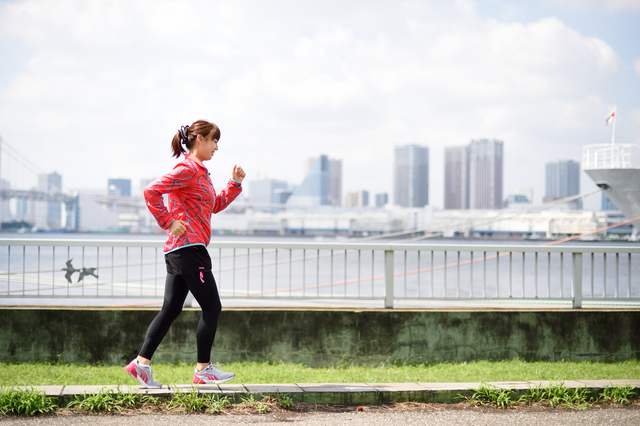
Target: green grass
(28,402)
(555,395)
(43,374)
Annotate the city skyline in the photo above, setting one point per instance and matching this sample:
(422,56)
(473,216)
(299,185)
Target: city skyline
(286,81)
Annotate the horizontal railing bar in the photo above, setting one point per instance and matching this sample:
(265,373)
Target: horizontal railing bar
(329,246)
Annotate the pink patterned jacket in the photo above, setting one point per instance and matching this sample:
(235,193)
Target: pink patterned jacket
(192,199)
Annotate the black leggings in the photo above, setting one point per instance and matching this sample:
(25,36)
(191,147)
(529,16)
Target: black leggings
(203,287)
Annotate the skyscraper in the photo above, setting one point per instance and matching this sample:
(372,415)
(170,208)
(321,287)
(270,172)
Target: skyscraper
(335,178)
(411,176)
(382,199)
(563,180)
(357,199)
(485,174)
(48,213)
(456,177)
(266,192)
(314,190)
(119,188)
(335,182)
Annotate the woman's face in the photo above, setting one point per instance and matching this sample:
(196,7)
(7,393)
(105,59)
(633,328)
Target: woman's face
(205,147)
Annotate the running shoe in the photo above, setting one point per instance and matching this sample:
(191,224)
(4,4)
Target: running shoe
(211,375)
(143,374)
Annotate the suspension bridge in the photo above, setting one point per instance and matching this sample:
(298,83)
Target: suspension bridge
(21,179)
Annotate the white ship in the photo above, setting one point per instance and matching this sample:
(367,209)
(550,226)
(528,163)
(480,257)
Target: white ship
(609,165)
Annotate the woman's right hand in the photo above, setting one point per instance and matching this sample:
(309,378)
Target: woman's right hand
(178,227)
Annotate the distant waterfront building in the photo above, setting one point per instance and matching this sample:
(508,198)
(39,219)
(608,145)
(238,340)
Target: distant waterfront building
(411,176)
(22,210)
(485,174)
(264,193)
(314,190)
(335,182)
(48,213)
(357,199)
(335,178)
(119,188)
(456,177)
(527,192)
(382,199)
(5,208)
(563,180)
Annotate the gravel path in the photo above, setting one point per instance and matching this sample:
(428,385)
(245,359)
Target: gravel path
(428,416)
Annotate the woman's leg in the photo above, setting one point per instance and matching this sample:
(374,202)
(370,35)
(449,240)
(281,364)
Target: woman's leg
(175,292)
(204,289)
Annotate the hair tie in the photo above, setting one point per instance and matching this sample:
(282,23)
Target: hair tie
(184,134)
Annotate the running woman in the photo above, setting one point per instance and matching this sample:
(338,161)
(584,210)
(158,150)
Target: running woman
(192,200)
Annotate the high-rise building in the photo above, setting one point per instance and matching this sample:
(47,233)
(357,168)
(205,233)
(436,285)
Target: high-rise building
(335,178)
(525,191)
(357,199)
(49,213)
(314,190)
(456,177)
(264,193)
(411,176)
(119,188)
(563,180)
(485,174)
(335,182)
(382,199)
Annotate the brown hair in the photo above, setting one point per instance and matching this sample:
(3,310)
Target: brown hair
(187,136)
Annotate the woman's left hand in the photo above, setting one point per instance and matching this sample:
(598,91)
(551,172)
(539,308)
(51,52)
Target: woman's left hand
(238,173)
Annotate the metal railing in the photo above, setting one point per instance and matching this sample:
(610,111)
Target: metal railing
(106,269)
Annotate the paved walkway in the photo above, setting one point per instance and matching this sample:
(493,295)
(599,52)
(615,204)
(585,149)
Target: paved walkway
(339,393)
(429,416)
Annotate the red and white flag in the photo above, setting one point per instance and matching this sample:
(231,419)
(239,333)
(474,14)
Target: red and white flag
(610,117)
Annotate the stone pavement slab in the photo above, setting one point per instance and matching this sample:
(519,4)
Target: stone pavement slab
(336,387)
(510,385)
(605,383)
(280,388)
(567,383)
(48,390)
(450,386)
(398,387)
(232,388)
(79,390)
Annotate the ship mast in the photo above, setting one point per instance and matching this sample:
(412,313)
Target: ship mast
(613,116)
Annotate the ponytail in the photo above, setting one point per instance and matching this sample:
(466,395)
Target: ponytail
(176,146)
(187,136)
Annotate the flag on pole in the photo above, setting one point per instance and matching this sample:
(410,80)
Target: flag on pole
(610,117)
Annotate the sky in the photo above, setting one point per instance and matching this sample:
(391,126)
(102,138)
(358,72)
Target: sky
(96,90)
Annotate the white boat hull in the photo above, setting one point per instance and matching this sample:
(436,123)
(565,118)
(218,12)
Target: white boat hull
(622,186)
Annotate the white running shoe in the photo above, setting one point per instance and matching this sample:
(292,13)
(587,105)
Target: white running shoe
(211,375)
(143,374)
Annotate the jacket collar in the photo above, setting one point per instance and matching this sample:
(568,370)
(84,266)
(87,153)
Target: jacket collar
(194,159)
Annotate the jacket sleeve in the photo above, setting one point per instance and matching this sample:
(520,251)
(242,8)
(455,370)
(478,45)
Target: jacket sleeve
(226,196)
(178,179)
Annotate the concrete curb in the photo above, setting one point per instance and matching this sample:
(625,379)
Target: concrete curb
(335,393)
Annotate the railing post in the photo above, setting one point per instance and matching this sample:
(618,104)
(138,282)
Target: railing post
(388,279)
(577,281)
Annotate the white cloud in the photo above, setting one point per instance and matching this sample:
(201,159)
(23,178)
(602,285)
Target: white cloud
(110,82)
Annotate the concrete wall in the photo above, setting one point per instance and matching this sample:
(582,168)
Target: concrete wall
(325,337)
